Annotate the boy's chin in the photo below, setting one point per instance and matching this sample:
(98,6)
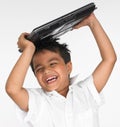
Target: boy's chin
(49,89)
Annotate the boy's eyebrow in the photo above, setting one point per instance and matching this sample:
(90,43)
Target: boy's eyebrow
(52,59)
(38,65)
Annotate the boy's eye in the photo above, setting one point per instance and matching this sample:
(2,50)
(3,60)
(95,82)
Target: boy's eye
(53,64)
(39,69)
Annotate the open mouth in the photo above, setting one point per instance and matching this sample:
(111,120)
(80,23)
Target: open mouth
(51,79)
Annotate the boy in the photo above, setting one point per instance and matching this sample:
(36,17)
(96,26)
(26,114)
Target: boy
(61,101)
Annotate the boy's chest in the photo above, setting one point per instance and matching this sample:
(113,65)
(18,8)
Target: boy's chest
(72,112)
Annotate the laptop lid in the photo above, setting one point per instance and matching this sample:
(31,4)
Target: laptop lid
(61,25)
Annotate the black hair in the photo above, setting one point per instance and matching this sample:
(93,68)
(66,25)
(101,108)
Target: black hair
(53,45)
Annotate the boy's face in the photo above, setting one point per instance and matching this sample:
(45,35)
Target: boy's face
(51,71)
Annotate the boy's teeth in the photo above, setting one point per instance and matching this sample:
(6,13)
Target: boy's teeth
(51,79)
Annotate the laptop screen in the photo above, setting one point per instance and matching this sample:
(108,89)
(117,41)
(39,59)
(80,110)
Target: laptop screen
(61,25)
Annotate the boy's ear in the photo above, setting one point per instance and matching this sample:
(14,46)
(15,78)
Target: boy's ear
(69,67)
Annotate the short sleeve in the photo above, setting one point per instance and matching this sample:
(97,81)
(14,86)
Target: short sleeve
(98,97)
(35,101)
(88,87)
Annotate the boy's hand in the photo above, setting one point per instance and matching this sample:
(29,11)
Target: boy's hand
(86,22)
(23,43)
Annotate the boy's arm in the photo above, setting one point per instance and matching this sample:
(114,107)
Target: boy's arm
(105,67)
(14,84)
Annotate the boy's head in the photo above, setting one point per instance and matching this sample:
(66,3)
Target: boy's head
(54,46)
(51,64)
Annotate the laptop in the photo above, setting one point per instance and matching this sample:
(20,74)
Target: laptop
(61,25)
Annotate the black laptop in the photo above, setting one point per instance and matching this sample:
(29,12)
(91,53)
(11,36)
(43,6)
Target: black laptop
(61,25)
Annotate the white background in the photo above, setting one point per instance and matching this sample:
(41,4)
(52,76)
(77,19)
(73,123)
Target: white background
(17,16)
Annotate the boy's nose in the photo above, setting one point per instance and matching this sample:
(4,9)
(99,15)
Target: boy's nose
(47,70)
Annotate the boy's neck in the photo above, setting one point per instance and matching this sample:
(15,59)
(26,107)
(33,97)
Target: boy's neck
(64,91)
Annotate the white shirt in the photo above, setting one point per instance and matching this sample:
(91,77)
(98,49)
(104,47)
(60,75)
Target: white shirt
(50,109)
